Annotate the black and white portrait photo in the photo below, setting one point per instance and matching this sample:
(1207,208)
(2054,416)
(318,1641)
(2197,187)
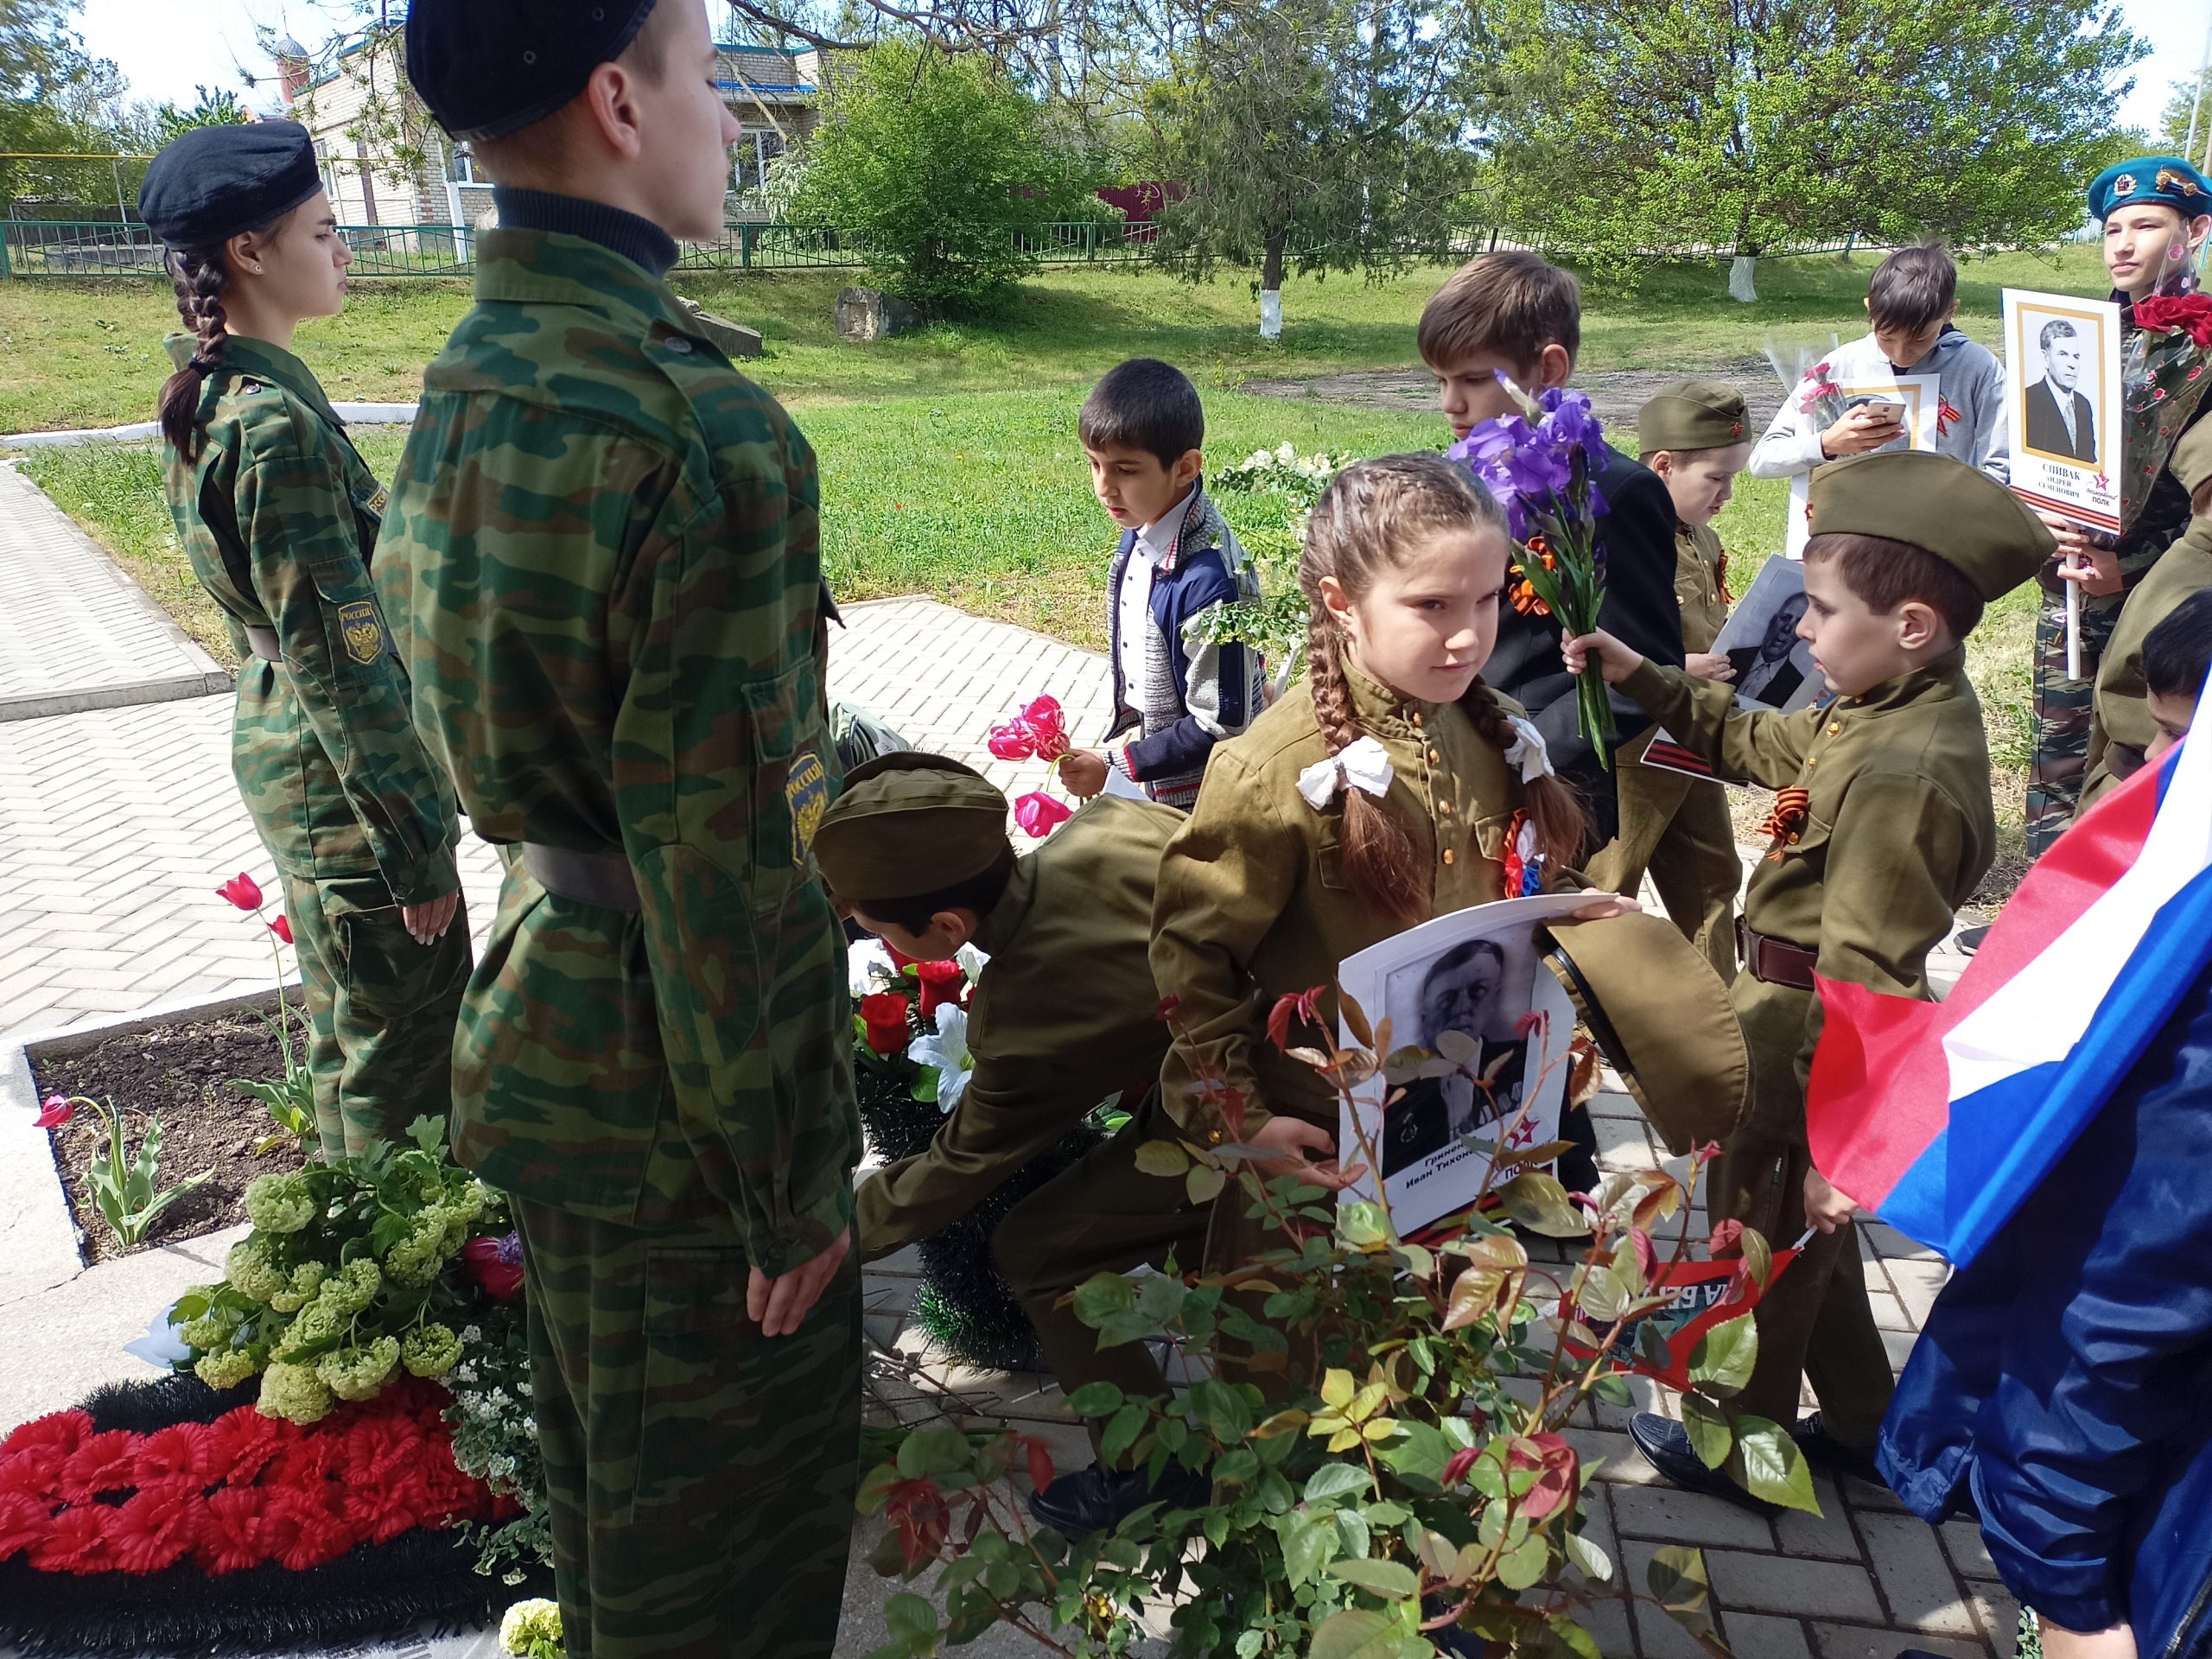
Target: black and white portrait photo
(1774,667)
(2060,416)
(1769,672)
(1468,1002)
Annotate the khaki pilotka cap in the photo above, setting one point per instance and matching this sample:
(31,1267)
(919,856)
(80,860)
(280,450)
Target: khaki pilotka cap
(1965,518)
(909,823)
(1692,415)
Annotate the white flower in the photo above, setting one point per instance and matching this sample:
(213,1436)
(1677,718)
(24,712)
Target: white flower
(869,969)
(946,1049)
(1286,452)
(472,1333)
(972,962)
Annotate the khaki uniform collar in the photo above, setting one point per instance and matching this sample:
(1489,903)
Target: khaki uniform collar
(244,355)
(997,928)
(550,268)
(1936,680)
(1383,711)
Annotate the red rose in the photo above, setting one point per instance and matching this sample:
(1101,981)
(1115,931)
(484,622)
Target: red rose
(25,1523)
(496,1266)
(156,1527)
(243,891)
(884,1018)
(78,1542)
(229,1534)
(2164,314)
(942,982)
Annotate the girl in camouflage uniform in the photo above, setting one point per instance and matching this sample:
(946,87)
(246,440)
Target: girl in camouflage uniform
(279,515)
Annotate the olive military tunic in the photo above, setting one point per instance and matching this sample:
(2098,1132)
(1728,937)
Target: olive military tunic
(1254,902)
(1064,1014)
(1674,827)
(279,515)
(604,571)
(1896,834)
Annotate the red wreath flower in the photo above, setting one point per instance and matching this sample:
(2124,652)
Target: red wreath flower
(2164,314)
(25,1523)
(230,1537)
(171,1454)
(102,1464)
(78,1542)
(156,1525)
(883,1016)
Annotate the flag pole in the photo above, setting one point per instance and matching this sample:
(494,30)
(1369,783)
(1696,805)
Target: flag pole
(2073,630)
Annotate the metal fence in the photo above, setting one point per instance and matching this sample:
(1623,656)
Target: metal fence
(88,248)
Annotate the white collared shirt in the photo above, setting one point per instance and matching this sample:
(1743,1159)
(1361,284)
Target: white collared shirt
(1153,544)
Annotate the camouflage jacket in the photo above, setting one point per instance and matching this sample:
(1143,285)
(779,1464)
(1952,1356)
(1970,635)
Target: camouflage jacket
(279,515)
(602,565)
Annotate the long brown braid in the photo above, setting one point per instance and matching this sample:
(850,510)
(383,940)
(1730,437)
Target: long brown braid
(1372,512)
(200,276)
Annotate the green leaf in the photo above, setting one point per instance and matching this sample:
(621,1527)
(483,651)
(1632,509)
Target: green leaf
(1721,1363)
(1758,1258)
(1121,1431)
(936,1451)
(1677,1578)
(1590,1557)
(1222,1408)
(1355,1633)
(1539,1203)
(1096,1400)
(1710,1435)
(1392,1580)
(1336,1480)
(1363,1224)
(1162,1158)
(428,1133)
(1098,1298)
(1204,1183)
(1768,1464)
(1309,1539)
(1420,1451)
(1573,1638)
(1523,1565)
(909,1617)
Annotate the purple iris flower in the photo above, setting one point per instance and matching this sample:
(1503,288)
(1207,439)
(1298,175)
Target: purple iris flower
(1538,470)
(1568,420)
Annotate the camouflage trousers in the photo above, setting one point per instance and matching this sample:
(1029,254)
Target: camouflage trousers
(700,1476)
(1814,1321)
(2063,717)
(381,1009)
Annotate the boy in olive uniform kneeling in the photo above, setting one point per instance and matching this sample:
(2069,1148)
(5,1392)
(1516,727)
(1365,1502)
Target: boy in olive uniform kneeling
(1063,1014)
(1881,828)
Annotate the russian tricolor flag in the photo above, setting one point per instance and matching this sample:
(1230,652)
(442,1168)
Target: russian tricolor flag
(1941,1117)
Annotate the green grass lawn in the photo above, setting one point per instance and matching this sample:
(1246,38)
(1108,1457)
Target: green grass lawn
(89,353)
(949,458)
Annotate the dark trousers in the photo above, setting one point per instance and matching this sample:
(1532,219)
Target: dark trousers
(700,1476)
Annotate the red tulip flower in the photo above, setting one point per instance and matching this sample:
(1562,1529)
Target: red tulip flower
(243,891)
(942,982)
(55,1110)
(282,927)
(1039,814)
(884,1017)
(1011,742)
(1048,730)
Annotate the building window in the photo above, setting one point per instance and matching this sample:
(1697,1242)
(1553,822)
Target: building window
(464,165)
(756,146)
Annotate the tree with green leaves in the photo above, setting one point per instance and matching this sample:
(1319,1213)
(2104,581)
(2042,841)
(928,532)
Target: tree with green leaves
(216,109)
(57,100)
(1744,124)
(936,165)
(1318,135)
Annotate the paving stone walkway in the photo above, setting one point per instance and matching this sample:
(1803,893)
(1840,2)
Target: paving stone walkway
(118,820)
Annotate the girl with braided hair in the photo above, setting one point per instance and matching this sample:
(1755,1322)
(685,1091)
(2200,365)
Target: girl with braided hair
(280,515)
(1392,786)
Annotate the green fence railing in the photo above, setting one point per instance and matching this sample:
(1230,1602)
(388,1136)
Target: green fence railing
(88,248)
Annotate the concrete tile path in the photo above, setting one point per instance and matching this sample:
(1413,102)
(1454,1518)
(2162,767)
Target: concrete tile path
(116,821)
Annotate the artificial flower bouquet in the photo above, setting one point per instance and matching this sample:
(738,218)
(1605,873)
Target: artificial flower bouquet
(1538,464)
(912,1017)
(2162,383)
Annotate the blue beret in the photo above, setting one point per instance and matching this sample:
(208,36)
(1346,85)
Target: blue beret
(2151,182)
(212,183)
(491,66)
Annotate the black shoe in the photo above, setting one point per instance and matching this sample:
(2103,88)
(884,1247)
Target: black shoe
(1098,1500)
(1970,938)
(1823,1451)
(1665,1447)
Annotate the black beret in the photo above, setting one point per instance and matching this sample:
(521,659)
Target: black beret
(491,66)
(211,183)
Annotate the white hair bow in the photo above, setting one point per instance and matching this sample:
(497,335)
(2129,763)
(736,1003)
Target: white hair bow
(1363,764)
(1528,751)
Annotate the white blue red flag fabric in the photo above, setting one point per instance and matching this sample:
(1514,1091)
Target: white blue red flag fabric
(1942,1117)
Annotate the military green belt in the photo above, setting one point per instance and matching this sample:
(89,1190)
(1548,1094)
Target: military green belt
(601,879)
(263,644)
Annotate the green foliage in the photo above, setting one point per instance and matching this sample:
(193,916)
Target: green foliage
(1322,135)
(347,1277)
(55,99)
(289,1099)
(932,163)
(1381,1422)
(219,108)
(1712,123)
(126,1189)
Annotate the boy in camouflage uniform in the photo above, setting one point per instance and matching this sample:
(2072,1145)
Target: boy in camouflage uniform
(604,568)
(279,515)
